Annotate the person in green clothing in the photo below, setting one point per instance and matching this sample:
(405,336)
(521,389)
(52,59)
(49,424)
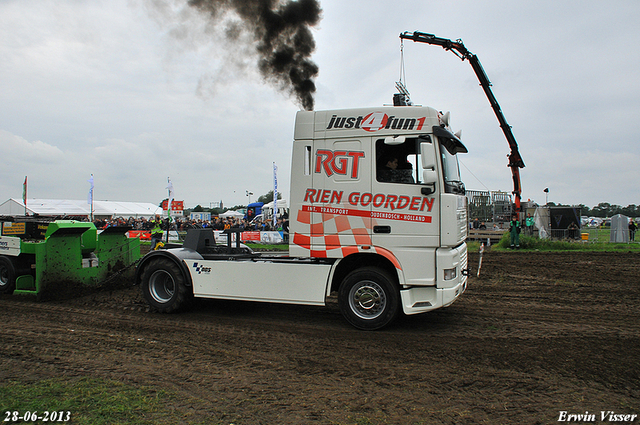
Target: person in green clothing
(156,233)
(528,224)
(514,231)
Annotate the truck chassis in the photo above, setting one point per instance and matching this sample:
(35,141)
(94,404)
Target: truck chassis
(369,294)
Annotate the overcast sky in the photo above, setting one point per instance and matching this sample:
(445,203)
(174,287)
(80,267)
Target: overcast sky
(136,91)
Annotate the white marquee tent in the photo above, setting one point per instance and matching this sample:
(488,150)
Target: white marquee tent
(231,213)
(69,207)
(267,209)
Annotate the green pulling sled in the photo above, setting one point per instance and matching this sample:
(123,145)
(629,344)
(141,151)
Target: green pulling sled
(62,258)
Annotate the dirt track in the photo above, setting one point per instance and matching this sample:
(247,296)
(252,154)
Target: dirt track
(536,334)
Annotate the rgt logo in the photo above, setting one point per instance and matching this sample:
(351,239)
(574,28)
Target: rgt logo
(377,121)
(338,162)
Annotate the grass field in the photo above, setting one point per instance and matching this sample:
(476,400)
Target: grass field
(85,401)
(598,241)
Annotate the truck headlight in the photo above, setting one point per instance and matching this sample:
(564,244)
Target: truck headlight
(450,274)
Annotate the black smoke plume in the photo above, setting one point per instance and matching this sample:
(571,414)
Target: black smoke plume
(284,42)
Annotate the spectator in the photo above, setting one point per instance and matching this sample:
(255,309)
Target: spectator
(514,231)
(573,230)
(528,224)
(156,232)
(285,231)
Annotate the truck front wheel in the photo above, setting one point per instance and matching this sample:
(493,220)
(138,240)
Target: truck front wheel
(368,299)
(164,286)
(7,276)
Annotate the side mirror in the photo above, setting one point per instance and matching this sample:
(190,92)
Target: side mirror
(429,174)
(428,155)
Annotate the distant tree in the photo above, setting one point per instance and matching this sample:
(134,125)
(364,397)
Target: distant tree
(630,210)
(600,210)
(584,210)
(268,197)
(605,209)
(198,208)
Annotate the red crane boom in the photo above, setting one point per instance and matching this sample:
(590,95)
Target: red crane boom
(515,160)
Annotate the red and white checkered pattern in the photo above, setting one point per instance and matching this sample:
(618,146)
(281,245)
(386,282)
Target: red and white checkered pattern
(338,235)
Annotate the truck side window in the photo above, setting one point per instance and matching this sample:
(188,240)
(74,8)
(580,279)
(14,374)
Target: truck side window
(307,160)
(396,163)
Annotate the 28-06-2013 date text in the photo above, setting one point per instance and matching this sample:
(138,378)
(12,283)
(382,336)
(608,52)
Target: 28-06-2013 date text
(46,416)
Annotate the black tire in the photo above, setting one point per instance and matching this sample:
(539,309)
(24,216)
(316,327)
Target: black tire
(164,286)
(7,276)
(369,299)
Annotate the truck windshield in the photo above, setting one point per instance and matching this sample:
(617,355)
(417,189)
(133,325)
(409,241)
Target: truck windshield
(450,170)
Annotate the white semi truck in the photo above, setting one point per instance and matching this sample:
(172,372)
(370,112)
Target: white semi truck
(378,216)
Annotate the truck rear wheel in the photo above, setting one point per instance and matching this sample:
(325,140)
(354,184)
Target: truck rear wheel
(368,299)
(164,286)
(7,276)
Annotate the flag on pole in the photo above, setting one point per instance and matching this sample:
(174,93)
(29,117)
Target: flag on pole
(169,202)
(24,194)
(90,197)
(275,195)
(171,196)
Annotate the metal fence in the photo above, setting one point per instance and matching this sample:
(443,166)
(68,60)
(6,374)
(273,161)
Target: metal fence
(588,234)
(568,234)
(489,206)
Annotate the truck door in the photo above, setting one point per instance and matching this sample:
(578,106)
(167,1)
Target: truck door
(403,204)
(405,208)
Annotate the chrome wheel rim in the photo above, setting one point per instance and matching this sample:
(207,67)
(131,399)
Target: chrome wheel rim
(4,276)
(367,300)
(161,286)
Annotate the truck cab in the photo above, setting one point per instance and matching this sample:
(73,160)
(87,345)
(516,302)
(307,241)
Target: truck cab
(381,188)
